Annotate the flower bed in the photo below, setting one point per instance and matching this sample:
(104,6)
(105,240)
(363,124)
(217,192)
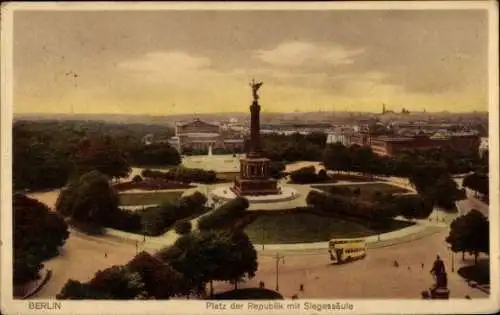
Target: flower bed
(152,184)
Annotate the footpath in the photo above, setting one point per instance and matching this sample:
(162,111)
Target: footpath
(420,229)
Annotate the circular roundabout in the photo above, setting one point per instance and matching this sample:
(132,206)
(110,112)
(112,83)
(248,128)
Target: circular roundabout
(224,193)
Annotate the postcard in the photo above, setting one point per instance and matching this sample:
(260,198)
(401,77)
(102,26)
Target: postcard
(245,158)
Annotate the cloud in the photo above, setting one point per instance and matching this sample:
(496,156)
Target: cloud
(298,53)
(161,61)
(168,69)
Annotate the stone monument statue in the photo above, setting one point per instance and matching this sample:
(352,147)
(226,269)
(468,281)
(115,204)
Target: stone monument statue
(440,288)
(255,88)
(439,272)
(255,168)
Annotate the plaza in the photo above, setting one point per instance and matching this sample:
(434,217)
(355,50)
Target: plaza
(374,277)
(394,267)
(305,263)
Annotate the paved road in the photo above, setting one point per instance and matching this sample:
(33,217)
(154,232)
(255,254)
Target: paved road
(374,277)
(470,203)
(81,257)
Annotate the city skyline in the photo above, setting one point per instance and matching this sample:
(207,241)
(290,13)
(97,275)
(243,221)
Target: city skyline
(179,62)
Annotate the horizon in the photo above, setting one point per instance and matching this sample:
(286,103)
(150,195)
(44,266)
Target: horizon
(68,62)
(451,112)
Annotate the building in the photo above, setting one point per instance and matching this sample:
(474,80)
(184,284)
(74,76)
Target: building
(360,138)
(340,135)
(202,136)
(483,146)
(391,145)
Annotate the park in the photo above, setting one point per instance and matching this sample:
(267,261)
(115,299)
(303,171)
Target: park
(244,225)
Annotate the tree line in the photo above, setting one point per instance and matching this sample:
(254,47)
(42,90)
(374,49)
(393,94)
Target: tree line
(91,204)
(427,171)
(470,233)
(378,212)
(46,154)
(38,235)
(294,147)
(478,182)
(308,175)
(182,174)
(183,269)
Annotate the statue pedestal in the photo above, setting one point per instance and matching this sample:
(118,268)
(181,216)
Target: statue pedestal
(441,293)
(254,178)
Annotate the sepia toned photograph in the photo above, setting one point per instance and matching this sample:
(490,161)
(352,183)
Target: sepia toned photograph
(243,158)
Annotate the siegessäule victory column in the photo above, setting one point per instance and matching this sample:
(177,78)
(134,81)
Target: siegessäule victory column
(254,177)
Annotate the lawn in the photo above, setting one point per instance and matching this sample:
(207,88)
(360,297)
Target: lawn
(249,294)
(367,190)
(352,178)
(227,177)
(294,227)
(148,198)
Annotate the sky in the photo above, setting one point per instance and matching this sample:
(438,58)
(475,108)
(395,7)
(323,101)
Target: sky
(177,62)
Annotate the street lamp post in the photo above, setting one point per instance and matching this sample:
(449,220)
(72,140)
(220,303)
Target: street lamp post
(263,237)
(452,261)
(452,254)
(278,260)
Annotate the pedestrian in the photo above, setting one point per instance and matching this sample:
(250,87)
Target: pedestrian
(301,287)
(422,266)
(105,255)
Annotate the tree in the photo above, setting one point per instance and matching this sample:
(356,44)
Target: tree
(155,154)
(183,226)
(477,182)
(154,220)
(101,153)
(183,174)
(362,158)
(208,256)
(119,283)
(192,203)
(470,233)
(337,157)
(157,220)
(224,216)
(113,283)
(276,169)
(444,192)
(38,235)
(315,198)
(37,164)
(413,206)
(243,259)
(26,266)
(75,290)
(316,138)
(90,202)
(304,175)
(137,179)
(160,279)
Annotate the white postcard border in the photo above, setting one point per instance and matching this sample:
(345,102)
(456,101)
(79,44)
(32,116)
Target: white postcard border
(198,307)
